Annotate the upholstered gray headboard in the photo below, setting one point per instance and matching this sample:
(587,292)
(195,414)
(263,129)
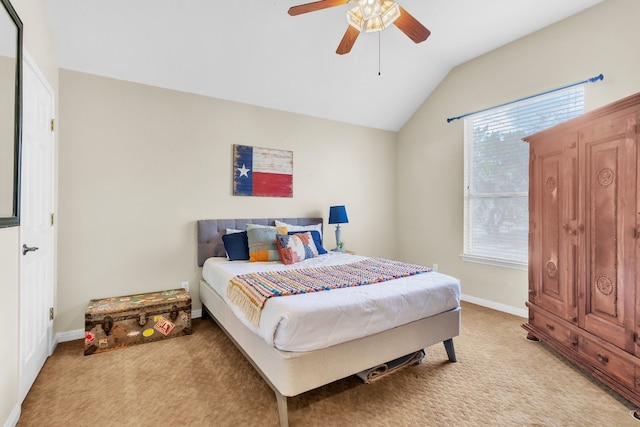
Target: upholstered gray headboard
(210,232)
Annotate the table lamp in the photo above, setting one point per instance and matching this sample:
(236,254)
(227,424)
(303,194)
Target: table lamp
(338,215)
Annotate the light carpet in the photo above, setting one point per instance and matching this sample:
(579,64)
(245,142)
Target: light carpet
(500,379)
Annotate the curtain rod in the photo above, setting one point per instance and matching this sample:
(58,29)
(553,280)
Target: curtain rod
(591,80)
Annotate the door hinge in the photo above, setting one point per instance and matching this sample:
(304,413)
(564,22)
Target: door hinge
(52,220)
(634,336)
(51,313)
(53,125)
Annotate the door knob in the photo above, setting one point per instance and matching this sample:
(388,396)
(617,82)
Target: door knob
(26,249)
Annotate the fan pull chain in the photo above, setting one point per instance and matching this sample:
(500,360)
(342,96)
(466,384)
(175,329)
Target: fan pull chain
(379,35)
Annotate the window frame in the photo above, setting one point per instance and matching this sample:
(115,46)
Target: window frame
(468,253)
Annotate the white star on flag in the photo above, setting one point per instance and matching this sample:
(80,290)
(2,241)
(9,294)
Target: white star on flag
(244,171)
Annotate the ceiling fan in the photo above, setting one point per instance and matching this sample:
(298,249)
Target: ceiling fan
(368,16)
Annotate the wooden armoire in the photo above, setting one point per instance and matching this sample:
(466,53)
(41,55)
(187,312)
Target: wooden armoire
(584,242)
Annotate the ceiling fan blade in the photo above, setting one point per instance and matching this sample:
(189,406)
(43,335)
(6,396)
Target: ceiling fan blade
(312,7)
(411,27)
(348,40)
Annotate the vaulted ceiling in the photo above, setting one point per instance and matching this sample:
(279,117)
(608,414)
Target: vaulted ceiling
(252,51)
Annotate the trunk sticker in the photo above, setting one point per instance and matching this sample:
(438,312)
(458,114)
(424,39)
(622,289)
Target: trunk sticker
(89,337)
(148,332)
(164,326)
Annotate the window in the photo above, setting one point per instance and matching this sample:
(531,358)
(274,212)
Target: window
(496,174)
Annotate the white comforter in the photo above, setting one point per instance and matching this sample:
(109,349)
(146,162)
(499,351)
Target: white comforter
(322,319)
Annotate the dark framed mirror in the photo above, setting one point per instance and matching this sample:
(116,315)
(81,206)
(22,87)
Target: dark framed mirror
(10,114)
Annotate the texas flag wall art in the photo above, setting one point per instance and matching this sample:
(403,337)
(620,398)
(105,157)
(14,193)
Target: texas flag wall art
(262,172)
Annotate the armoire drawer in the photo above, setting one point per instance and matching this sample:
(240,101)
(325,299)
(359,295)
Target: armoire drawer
(611,362)
(555,329)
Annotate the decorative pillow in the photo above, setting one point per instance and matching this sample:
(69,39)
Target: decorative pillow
(291,227)
(316,239)
(232,230)
(262,243)
(237,246)
(296,247)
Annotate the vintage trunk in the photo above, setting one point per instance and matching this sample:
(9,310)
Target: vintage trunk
(117,322)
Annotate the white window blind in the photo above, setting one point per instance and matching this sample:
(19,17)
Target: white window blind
(496,174)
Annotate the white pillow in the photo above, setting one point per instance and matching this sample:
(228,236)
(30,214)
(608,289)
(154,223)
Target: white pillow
(291,227)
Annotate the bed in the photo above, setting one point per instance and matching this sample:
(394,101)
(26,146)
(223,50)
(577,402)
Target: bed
(293,366)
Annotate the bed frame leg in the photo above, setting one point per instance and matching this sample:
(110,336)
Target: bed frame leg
(451,353)
(282,409)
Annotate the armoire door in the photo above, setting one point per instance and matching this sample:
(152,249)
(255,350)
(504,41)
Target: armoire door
(608,205)
(553,217)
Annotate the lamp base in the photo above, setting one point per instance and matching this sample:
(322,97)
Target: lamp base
(339,247)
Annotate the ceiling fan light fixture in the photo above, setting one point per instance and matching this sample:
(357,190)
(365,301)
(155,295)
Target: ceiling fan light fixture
(368,16)
(373,15)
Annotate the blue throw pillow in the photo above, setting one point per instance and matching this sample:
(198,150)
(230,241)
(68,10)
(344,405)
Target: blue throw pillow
(316,239)
(237,246)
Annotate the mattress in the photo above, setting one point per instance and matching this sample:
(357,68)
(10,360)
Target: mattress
(318,320)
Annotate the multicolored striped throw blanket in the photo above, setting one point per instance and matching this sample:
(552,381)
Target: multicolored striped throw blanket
(250,291)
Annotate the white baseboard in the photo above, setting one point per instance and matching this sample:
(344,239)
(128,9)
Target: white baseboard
(69,335)
(78,334)
(522,312)
(12,421)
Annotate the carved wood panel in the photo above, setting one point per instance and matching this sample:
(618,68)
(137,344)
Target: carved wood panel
(550,227)
(553,201)
(604,224)
(608,200)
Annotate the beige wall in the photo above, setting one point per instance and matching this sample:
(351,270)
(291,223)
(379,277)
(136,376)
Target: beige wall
(37,41)
(139,165)
(603,39)
(7,114)
(9,269)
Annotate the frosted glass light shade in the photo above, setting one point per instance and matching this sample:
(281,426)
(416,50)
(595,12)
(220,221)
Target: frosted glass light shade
(374,15)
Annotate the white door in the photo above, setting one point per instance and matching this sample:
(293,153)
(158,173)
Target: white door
(36,225)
